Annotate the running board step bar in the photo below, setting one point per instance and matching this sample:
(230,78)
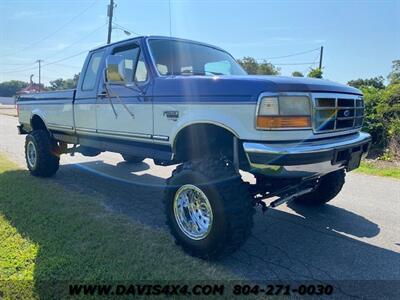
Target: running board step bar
(280,201)
(286,194)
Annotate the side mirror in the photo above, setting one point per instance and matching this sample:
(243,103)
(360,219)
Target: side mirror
(115,69)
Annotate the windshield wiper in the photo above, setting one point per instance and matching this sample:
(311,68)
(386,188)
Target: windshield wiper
(215,73)
(194,73)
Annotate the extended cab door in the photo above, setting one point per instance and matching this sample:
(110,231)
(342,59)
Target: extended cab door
(125,111)
(86,94)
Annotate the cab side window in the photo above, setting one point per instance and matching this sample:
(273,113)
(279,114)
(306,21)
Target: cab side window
(130,55)
(134,63)
(89,81)
(141,70)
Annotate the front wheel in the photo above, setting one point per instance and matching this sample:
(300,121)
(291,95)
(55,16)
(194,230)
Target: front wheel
(208,207)
(41,154)
(329,187)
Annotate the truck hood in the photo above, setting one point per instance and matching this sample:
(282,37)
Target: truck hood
(303,84)
(245,87)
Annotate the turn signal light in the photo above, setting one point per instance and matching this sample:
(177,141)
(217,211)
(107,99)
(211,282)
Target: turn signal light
(273,122)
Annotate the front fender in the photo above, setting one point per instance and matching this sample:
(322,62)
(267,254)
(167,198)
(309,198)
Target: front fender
(206,117)
(234,117)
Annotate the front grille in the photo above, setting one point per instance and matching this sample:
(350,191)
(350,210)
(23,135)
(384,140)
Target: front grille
(343,112)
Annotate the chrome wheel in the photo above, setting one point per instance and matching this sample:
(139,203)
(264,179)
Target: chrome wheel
(31,154)
(193,212)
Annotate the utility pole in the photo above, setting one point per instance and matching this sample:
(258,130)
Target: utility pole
(39,61)
(321,53)
(110,11)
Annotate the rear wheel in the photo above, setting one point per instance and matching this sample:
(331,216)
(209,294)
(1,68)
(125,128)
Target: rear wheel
(329,187)
(132,159)
(208,207)
(41,154)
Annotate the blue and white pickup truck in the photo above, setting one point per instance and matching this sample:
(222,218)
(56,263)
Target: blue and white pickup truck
(191,104)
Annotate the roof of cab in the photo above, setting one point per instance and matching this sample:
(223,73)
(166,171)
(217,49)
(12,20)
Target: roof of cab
(155,37)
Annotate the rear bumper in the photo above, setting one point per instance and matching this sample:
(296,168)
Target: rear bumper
(306,158)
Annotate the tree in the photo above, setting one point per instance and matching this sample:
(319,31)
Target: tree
(76,79)
(266,68)
(297,74)
(394,76)
(373,117)
(315,73)
(249,64)
(252,67)
(64,84)
(9,88)
(376,82)
(382,112)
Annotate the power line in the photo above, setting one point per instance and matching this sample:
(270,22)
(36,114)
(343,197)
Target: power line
(48,64)
(53,32)
(125,28)
(20,64)
(289,55)
(19,70)
(47,58)
(67,66)
(296,64)
(66,58)
(77,41)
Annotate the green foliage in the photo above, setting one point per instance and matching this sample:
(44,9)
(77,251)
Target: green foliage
(373,124)
(394,76)
(382,111)
(374,169)
(252,67)
(9,88)
(64,84)
(297,74)
(249,64)
(382,116)
(315,73)
(376,82)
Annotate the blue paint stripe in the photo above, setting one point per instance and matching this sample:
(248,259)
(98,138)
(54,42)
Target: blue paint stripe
(44,102)
(132,101)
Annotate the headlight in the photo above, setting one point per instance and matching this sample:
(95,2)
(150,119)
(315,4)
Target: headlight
(269,106)
(284,112)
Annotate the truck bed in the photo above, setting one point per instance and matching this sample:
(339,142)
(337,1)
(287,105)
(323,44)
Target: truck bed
(52,95)
(55,108)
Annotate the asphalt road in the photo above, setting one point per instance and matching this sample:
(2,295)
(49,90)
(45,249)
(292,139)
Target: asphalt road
(353,240)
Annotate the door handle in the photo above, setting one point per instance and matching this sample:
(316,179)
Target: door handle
(102,95)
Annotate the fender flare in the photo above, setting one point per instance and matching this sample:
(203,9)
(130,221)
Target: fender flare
(199,122)
(38,113)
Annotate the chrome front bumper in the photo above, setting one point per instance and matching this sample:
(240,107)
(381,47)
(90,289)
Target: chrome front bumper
(306,158)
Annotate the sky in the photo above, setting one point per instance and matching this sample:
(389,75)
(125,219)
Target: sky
(360,38)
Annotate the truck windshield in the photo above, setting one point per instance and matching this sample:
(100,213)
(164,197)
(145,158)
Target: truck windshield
(173,57)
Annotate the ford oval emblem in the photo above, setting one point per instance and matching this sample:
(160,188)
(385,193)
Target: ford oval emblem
(346,113)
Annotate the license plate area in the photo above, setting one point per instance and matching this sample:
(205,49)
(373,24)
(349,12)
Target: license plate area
(350,157)
(354,161)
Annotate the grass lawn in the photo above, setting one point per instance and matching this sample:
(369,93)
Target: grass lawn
(374,169)
(51,234)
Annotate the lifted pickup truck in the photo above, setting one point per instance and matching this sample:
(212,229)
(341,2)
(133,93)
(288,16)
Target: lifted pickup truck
(191,104)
